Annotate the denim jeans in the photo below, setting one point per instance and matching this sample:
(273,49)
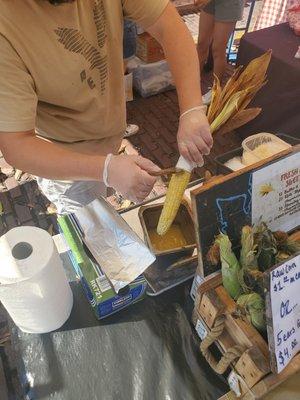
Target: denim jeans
(129,40)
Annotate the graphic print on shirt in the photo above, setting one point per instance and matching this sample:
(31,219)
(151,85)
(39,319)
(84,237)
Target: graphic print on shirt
(74,41)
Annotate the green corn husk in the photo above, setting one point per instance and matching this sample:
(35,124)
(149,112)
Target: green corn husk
(248,259)
(230,267)
(253,306)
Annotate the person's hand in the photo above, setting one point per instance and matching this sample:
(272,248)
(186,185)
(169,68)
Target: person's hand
(194,136)
(129,176)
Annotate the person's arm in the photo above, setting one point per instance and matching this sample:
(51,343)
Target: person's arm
(29,153)
(194,138)
(126,174)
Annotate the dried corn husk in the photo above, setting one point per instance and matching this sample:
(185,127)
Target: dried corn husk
(231,86)
(285,244)
(253,280)
(215,104)
(229,109)
(250,94)
(213,254)
(248,259)
(255,71)
(266,247)
(246,82)
(240,119)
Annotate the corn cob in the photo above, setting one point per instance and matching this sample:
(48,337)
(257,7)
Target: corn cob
(177,186)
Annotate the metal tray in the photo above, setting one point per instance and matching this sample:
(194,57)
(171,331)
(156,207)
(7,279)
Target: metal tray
(149,216)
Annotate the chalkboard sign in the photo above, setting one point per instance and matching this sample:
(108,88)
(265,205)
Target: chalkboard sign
(283,312)
(243,198)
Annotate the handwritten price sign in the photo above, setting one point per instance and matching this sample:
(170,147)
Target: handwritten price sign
(285,305)
(276,194)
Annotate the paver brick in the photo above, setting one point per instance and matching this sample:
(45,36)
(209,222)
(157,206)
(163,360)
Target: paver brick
(149,142)
(6,204)
(3,228)
(11,221)
(22,212)
(166,148)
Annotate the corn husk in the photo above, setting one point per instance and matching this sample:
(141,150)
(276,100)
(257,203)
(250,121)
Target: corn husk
(255,71)
(244,82)
(213,254)
(216,99)
(266,247)
(238,120)
(230,108)
(248,259)
(253,306)
(253,280)
(230,267)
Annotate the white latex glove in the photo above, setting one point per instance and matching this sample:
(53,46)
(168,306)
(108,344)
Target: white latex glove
(128,175)
(194,136)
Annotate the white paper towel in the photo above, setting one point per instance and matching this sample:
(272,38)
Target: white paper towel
(33,285)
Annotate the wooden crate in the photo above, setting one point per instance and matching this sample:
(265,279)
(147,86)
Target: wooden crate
(250,369)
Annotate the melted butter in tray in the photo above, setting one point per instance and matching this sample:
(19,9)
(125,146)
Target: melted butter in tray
(173,239)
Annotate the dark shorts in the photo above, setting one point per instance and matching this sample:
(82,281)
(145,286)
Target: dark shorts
(226,10)
(129,40)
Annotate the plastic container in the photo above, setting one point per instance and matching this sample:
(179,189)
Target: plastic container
(151,79)
(222,159)
(260,141)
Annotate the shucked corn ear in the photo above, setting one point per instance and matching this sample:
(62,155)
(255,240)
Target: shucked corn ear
(177,186)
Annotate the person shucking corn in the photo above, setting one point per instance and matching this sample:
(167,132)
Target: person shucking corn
(62,101)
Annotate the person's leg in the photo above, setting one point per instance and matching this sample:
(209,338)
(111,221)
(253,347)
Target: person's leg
(206,29)
(221,35)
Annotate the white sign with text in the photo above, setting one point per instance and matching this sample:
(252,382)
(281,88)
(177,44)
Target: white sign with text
(276,194)
(285,303)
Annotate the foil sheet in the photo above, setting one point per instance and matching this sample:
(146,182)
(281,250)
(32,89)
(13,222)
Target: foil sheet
(120,253)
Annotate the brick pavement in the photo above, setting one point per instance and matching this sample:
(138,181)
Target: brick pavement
(157,118)
(21,202)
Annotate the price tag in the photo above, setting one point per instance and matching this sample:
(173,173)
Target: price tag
(201,330)
(196,283)
(285,306)
(234,383)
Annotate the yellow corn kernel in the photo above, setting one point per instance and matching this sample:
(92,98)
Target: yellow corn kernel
(177,186)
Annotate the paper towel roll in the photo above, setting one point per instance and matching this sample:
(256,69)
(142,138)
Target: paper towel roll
(33,285)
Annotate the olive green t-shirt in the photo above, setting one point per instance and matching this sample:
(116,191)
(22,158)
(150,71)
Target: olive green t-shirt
(61,67)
